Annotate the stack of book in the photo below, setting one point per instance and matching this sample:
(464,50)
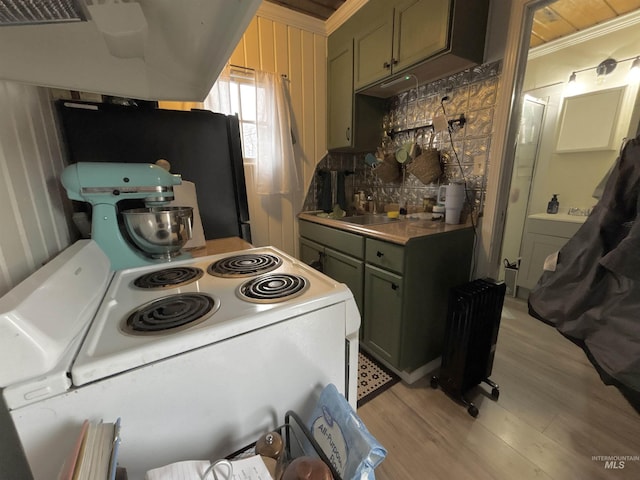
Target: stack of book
(95,453)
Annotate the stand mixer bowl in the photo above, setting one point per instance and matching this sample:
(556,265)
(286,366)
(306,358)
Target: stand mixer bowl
(160,232)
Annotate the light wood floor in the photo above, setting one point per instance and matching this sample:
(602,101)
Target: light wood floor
(554,413)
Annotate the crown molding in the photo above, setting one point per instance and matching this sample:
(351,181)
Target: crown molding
(341,15)
(596,31)
(280,14)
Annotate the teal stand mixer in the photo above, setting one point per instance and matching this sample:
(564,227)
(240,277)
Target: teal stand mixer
(155,234)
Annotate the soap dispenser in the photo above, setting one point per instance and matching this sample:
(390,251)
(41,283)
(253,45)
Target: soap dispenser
(552,206)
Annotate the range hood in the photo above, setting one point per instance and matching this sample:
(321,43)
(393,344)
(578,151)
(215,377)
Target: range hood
(144,49)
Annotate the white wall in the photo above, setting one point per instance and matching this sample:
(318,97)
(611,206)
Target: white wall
(32,218)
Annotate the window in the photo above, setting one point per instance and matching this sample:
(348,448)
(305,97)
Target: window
(259,101)
(242,94)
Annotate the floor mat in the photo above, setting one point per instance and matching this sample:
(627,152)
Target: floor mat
(373,378)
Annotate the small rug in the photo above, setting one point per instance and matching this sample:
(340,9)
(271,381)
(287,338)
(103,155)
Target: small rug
(373,378)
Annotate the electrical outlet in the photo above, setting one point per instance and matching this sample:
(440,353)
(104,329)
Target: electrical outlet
(478,165)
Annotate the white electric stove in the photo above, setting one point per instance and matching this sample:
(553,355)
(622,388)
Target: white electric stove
(197,357)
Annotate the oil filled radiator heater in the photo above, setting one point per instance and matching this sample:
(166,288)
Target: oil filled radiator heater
(471,333)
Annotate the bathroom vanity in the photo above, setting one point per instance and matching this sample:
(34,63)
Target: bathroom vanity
(544,235)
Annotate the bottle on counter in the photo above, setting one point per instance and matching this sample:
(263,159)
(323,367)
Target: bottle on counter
(553,205)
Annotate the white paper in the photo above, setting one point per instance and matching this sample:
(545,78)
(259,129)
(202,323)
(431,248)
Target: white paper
(249,468)
(187,470)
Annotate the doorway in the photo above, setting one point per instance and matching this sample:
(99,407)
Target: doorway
(524,163)
(539,170)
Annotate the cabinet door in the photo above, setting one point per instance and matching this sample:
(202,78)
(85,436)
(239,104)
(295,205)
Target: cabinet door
(340,95)
(420,30)
(535,249)
(311,253)
(383,313)
(373,43)
(347,270)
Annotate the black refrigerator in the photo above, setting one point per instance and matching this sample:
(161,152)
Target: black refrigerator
(204,147)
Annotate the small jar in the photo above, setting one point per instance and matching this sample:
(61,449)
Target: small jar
(270,445)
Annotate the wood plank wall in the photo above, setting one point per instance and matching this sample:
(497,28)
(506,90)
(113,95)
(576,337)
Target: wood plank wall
(299,52)
(32,201)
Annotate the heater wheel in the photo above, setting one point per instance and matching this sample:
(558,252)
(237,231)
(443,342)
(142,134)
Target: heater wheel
(473,410)
(434,382)
(495,393)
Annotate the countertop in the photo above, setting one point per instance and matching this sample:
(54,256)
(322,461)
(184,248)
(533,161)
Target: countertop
(559,217)
(221,245)
(399,231)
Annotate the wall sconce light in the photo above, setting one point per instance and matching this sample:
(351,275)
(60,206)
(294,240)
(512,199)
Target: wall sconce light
(606,67)
(634,71)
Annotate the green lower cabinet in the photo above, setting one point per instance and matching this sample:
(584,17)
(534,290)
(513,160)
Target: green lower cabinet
(342,268)
(402,291)
(406,292)
(347,270)
(381,326)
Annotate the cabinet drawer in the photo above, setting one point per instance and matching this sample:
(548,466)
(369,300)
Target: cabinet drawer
(385,255)
(331,237)
(554,228)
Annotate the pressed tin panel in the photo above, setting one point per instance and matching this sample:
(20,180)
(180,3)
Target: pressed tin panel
(34,224)
(465,155)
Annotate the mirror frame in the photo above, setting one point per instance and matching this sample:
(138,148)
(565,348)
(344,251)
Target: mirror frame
(507,115)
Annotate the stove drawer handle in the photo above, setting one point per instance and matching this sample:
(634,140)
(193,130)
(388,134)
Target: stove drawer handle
(379,254)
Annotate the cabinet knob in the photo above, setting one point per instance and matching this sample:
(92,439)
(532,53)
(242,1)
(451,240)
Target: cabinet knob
(379,254)
(394,61)
(348,134)
(395,286)
(386,65)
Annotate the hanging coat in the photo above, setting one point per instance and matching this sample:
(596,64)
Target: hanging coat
(593,296)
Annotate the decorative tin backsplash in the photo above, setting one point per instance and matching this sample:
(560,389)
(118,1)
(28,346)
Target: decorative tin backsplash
(464,151)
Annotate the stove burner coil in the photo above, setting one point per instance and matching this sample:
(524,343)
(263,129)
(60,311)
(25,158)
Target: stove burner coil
(168,278)
(244,265)
(171,312)
(272,288)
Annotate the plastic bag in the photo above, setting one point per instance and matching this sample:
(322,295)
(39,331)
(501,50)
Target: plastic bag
(344,438)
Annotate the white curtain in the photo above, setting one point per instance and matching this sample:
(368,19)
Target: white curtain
(260,100)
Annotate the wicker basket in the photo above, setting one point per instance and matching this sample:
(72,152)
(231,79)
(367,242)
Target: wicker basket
(426,167)
(389,171)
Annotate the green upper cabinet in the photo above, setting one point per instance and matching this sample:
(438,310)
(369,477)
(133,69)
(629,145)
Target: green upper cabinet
(373,34)
(386,39)
(354,122)
(340,92)
(430,39)
(421,29)
(393,36)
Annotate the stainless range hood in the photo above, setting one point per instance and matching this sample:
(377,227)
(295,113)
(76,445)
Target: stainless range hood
(144,49)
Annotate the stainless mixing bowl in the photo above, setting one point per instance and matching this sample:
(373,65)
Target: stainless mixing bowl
(159,232)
